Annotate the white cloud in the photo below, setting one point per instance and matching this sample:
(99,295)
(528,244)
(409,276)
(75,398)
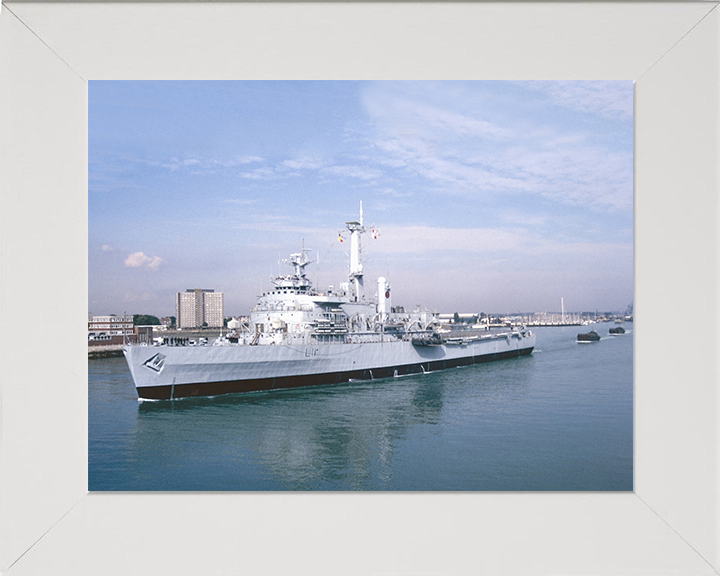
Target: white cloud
(455,149)
(518,218)
(404,117)
(305,163)
(458,124)
(140,260)
(606,98)
(249,159)
(392,192)
(425,240)
(204,164)
(353,172)
(456,174)
(171,164)
(594,177)
(562,169)
(259,174)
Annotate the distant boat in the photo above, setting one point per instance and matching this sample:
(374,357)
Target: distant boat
(591,336)
(618,330)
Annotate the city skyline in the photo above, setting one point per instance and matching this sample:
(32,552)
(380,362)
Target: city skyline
(488,196)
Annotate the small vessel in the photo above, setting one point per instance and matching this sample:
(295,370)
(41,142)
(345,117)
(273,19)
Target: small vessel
(618,330)
(591,336)
(300,336)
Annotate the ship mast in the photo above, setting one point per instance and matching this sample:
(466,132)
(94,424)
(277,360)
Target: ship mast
(299,261)
(356,268)
(298,280)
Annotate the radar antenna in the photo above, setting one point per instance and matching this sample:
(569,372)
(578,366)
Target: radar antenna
(299,260)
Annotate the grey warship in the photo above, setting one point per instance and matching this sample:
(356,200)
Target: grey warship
(300,336)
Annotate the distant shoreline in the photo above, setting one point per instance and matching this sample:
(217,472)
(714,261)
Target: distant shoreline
(98,351)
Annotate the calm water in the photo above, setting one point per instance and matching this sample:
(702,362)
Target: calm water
(560,419)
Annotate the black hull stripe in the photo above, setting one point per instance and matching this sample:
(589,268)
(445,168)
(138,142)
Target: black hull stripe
(260,384)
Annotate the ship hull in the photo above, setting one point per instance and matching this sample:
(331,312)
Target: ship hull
(162,372)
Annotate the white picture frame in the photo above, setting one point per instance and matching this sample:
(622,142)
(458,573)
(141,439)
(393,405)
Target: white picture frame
(49,523)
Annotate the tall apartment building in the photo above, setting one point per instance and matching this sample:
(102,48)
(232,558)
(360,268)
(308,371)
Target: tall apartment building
(213,309)
(198,305)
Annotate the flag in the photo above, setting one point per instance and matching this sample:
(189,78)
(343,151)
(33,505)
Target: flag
(340,238)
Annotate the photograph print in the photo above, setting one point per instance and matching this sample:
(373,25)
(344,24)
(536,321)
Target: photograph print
(360,285)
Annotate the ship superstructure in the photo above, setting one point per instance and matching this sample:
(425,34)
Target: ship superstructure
(300,336)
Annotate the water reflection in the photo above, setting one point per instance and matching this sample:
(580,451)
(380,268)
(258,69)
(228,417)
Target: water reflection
(339,437)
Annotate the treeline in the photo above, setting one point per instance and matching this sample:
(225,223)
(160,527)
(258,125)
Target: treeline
(145,320)
(149,320)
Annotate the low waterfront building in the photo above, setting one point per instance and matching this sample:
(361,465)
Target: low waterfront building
(110,330)
(110,325)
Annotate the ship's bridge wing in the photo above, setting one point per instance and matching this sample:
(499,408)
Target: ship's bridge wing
(328,299)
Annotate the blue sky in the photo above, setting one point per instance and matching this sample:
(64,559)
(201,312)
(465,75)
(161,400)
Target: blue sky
(489,196)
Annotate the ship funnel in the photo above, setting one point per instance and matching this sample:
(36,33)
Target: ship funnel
(384,302)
